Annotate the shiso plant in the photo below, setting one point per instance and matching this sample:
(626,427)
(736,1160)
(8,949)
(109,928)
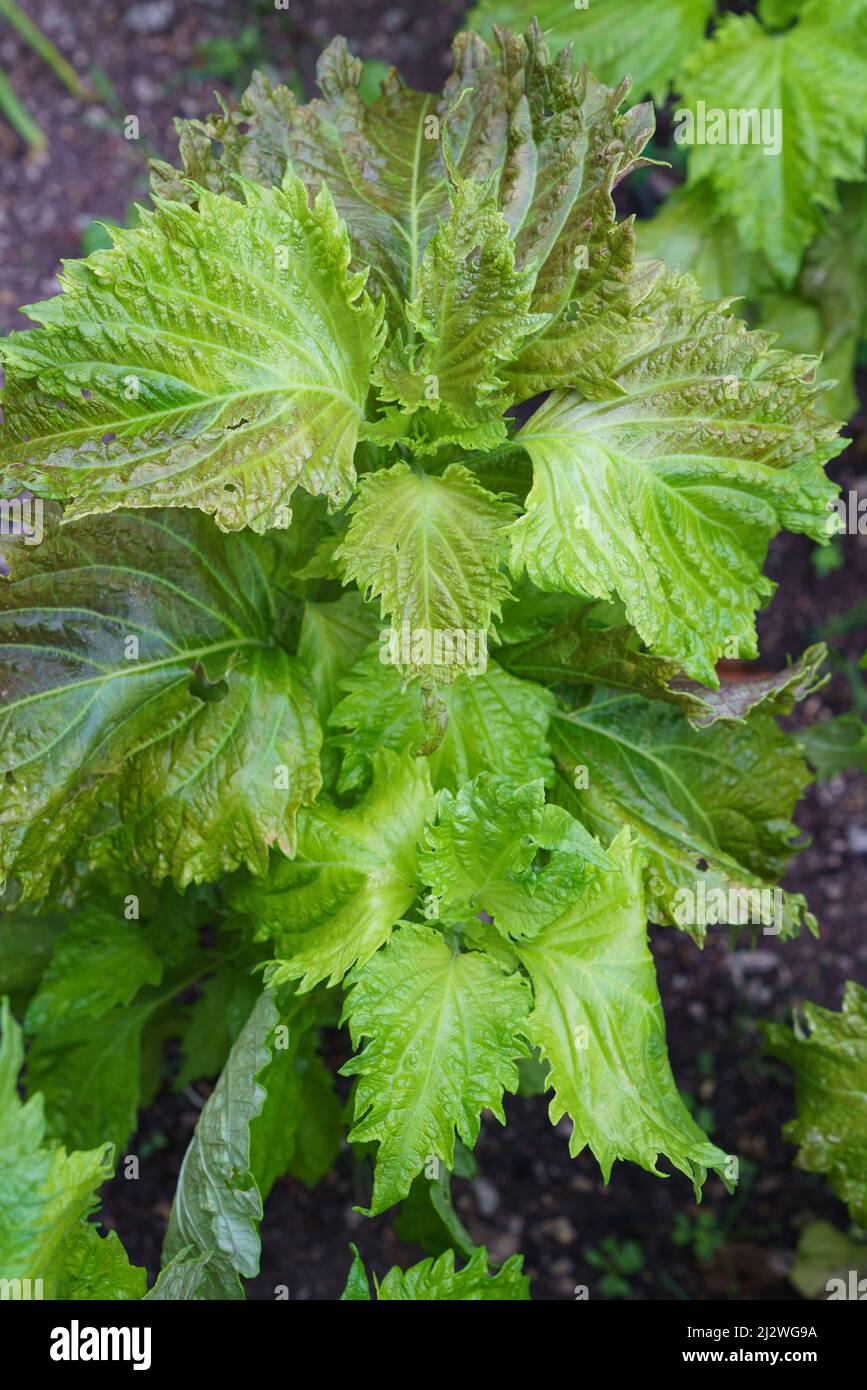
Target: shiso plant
(782,226)
(376,520)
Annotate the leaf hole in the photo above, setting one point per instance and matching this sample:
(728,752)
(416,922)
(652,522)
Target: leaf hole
(208,693)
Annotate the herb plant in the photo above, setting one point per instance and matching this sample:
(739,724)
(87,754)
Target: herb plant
(351,683)
(784,231)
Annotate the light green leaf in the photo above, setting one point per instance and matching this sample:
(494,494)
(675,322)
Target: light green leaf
(436,1281)
(443,1031)
(580,652)
(467,320)
(824,1255)
(598,1022)
(836,745)
(221,356)
(273,1133)
(98,1267)
(668,492)
(814,77)
(45,1193)
(691,234)
(229,782)
(184,1279)
(333,638)
(357,1288)
(114,640)
(353,878)
(832,289)
(208,1033)
(495,723)
(480,856)
(319,1130)
(89,1072)
(99,960)
(552,142)
(646,768)
(646,40)
(431,550)
(829,1058)
(217,1205)
(825,313)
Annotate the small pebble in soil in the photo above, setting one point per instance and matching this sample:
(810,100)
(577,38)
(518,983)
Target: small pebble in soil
(487,1197)
(150,16)
(857,837)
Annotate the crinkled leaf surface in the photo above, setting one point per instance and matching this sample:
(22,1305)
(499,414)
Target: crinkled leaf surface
(184,1279)
(646,40)
(438,1281)
(274,1131)
(333,638)
(668,492)
(431,550)
(353,878)
(443,1029)
(103,629)
(580,652)
(215,358)
(814,75)
(99,960)
(494,723)
(225,786)
(829,1059)
(552,142)
(648,769)
(45,1193)
(479,856)
(96,1267)
(599,1024)
(468,319)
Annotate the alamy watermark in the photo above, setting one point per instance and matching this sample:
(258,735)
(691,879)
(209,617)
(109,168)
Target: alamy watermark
(847,515)
(733,907)
(733,125)
(466,648)
(21,518)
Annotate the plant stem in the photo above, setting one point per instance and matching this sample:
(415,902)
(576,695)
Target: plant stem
(20,119)
(45,49)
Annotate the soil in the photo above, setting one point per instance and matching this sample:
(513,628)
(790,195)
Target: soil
(148,59)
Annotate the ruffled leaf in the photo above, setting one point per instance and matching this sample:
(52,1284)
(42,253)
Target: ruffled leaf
(352,880)
(625,760)
(115,639)
(599,1024)
(431,550)
(480,856)
(668,492)
(443,1032)
(215,358)
(494,723)
(829,1059)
